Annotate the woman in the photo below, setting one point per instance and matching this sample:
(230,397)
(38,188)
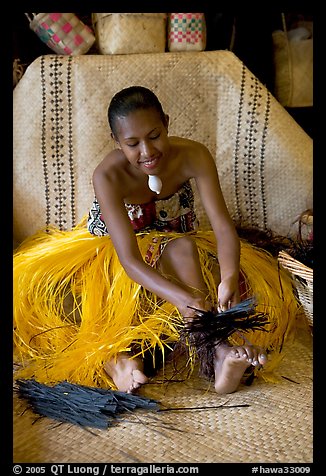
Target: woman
(146,268)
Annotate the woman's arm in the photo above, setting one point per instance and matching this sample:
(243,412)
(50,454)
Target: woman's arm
(228,244)
(125,243)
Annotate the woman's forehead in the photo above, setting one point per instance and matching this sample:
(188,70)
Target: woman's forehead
(138,122)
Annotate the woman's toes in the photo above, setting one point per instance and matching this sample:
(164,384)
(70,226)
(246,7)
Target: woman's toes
(235,353)
(139,377)
(262,359)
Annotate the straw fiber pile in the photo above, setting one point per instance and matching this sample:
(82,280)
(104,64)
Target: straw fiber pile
(275,427)
(60,133)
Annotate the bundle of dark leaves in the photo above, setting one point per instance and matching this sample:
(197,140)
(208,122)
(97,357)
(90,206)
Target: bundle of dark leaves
(209,328)
(300,249)
(81,405)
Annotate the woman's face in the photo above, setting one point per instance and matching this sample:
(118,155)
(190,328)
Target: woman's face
(143,138)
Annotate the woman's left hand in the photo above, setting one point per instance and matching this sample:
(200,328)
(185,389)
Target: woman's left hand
(228,293)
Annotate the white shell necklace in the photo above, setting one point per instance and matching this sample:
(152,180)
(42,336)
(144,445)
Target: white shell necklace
(154,183)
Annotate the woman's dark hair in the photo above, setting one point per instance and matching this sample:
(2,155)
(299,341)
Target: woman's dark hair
(131,99)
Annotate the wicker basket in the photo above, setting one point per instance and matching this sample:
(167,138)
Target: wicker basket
(64,33)
(130,33)
(186,32)
(303,279)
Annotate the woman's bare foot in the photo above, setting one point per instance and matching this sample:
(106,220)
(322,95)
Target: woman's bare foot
(231,362)
(127,374)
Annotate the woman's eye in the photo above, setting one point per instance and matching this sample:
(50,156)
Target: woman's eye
(155,137)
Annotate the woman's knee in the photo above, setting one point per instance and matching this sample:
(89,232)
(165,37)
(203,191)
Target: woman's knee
(183,247)
(180,260)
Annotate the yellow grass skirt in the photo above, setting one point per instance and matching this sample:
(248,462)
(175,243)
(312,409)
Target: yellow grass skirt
(75,307)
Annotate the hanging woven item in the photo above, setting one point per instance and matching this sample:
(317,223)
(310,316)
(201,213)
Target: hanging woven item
(186,32)
(64,33)
(129,33)
(18,71)
(293,64)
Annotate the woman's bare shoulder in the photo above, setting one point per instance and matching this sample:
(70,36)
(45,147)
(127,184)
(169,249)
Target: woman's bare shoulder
(189,147)
(113,160)
(193,154)
(111,172)
(185,142)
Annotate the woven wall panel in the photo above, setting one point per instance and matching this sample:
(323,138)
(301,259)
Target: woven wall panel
(61,133)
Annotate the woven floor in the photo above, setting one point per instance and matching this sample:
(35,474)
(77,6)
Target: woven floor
(276,426)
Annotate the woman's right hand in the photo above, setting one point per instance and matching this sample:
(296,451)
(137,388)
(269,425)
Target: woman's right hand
(196,303)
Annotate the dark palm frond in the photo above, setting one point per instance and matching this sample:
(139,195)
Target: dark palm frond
(303,251)
(80,405)
(265,239)
(210,328)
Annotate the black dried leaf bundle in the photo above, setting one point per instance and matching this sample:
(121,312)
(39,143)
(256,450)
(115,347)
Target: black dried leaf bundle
(81,405)
(265,239)
(300,249)
(210,328)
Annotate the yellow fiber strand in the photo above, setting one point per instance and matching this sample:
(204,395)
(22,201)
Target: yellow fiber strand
(75,307)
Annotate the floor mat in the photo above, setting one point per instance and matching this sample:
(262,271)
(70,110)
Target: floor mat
(263,423)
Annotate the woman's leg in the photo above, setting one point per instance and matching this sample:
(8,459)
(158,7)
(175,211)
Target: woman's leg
(180,261)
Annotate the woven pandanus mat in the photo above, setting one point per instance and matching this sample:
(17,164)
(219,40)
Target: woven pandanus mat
(264,422)
(60,134)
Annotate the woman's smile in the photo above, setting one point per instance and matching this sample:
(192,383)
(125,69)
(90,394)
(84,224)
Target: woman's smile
(150,164)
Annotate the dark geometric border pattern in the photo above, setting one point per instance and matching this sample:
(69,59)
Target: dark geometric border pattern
(43,148)
(70,145)
(249,156)
(57,143)
(237,147)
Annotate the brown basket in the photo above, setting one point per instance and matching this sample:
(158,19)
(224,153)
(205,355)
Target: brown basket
(303,279)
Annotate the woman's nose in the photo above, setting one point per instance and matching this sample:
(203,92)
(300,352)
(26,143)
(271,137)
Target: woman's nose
(147,149)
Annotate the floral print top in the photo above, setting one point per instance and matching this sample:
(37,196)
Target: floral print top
(174,213)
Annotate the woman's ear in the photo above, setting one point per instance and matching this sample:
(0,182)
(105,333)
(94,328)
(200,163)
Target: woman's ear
(167,120)
(115,140)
